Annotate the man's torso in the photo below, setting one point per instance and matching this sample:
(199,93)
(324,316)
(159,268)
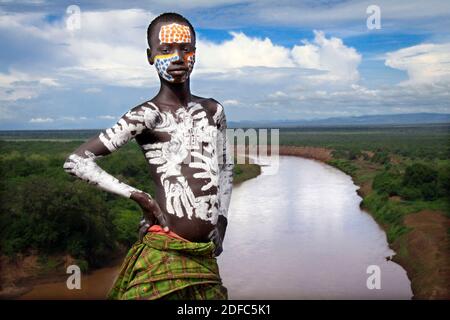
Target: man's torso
(181,151)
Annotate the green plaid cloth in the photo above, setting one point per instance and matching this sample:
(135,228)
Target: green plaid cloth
(164,267)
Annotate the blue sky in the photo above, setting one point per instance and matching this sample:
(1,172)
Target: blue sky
(262,59)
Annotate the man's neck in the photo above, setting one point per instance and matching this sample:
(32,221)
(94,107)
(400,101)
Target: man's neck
(174,93)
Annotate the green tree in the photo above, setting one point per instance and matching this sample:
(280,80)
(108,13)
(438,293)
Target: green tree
(420,181)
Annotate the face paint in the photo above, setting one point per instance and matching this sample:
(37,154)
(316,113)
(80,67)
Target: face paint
(163,61)
(174,32)
(189,58)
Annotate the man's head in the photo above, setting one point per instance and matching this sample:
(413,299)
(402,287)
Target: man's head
(171,41)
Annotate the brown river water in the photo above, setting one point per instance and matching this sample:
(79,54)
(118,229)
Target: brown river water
(296,234)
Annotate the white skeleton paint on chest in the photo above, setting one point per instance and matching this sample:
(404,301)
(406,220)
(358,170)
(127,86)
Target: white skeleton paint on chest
(193,141)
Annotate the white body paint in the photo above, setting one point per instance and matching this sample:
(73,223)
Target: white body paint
(193,141)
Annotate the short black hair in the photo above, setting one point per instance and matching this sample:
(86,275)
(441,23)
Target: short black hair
(167,17)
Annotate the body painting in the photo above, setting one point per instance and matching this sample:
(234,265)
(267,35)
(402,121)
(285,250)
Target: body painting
(190,134)
(129,125)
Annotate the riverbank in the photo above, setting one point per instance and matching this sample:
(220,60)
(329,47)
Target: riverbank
(423,250)
(20,274)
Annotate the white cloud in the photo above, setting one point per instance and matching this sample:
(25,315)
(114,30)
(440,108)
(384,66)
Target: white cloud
(424,63)
(278,94)
(241,51)
(245,71)
(244,56)
(49,82)
(41,120)
(107,117)
(16,85)
(231,102)
(110,49)
(93,90)
(346,17)
(331,55)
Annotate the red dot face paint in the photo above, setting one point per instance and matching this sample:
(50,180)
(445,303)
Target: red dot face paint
(174,33)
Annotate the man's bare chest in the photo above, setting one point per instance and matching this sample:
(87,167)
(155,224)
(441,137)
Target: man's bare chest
(191,128)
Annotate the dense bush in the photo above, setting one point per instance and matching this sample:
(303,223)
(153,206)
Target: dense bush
(381,157)
(51,215)
(443,183)
(387,182)
(420,181)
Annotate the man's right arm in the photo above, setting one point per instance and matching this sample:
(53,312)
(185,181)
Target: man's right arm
(82,162)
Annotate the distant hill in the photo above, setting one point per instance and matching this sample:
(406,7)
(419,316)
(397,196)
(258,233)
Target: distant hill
(382,119)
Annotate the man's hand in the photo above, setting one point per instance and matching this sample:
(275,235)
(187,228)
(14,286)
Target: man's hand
(218,234)
(143,228)
(152,213)
(215,237)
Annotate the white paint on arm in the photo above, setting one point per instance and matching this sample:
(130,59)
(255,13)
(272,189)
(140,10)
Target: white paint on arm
(226,164)
(129,125)
(87,169)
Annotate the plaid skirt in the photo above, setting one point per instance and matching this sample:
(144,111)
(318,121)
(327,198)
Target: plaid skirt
(164,267)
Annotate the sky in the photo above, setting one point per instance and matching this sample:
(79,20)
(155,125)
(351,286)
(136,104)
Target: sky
(82,67)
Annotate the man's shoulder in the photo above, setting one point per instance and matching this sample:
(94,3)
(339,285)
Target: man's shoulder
(211,104)
(145,105)
(146,113)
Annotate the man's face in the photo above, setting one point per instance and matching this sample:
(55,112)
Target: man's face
(172,51)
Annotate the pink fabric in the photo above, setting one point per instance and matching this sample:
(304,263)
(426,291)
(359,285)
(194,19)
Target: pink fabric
(156,228)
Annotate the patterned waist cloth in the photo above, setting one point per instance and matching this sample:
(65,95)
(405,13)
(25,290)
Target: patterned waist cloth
(165,265)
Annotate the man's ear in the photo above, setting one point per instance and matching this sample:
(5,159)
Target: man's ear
(149,56)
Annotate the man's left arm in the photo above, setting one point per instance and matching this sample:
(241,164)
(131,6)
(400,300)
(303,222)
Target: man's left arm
(226,165)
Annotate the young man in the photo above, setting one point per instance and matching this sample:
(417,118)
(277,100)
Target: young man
(183,138)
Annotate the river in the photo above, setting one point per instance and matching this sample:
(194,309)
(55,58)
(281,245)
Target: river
(296,234)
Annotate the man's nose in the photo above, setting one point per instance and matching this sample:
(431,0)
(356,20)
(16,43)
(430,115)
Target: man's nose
(180,55)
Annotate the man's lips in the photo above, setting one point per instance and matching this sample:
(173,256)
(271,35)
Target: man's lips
(177,69)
